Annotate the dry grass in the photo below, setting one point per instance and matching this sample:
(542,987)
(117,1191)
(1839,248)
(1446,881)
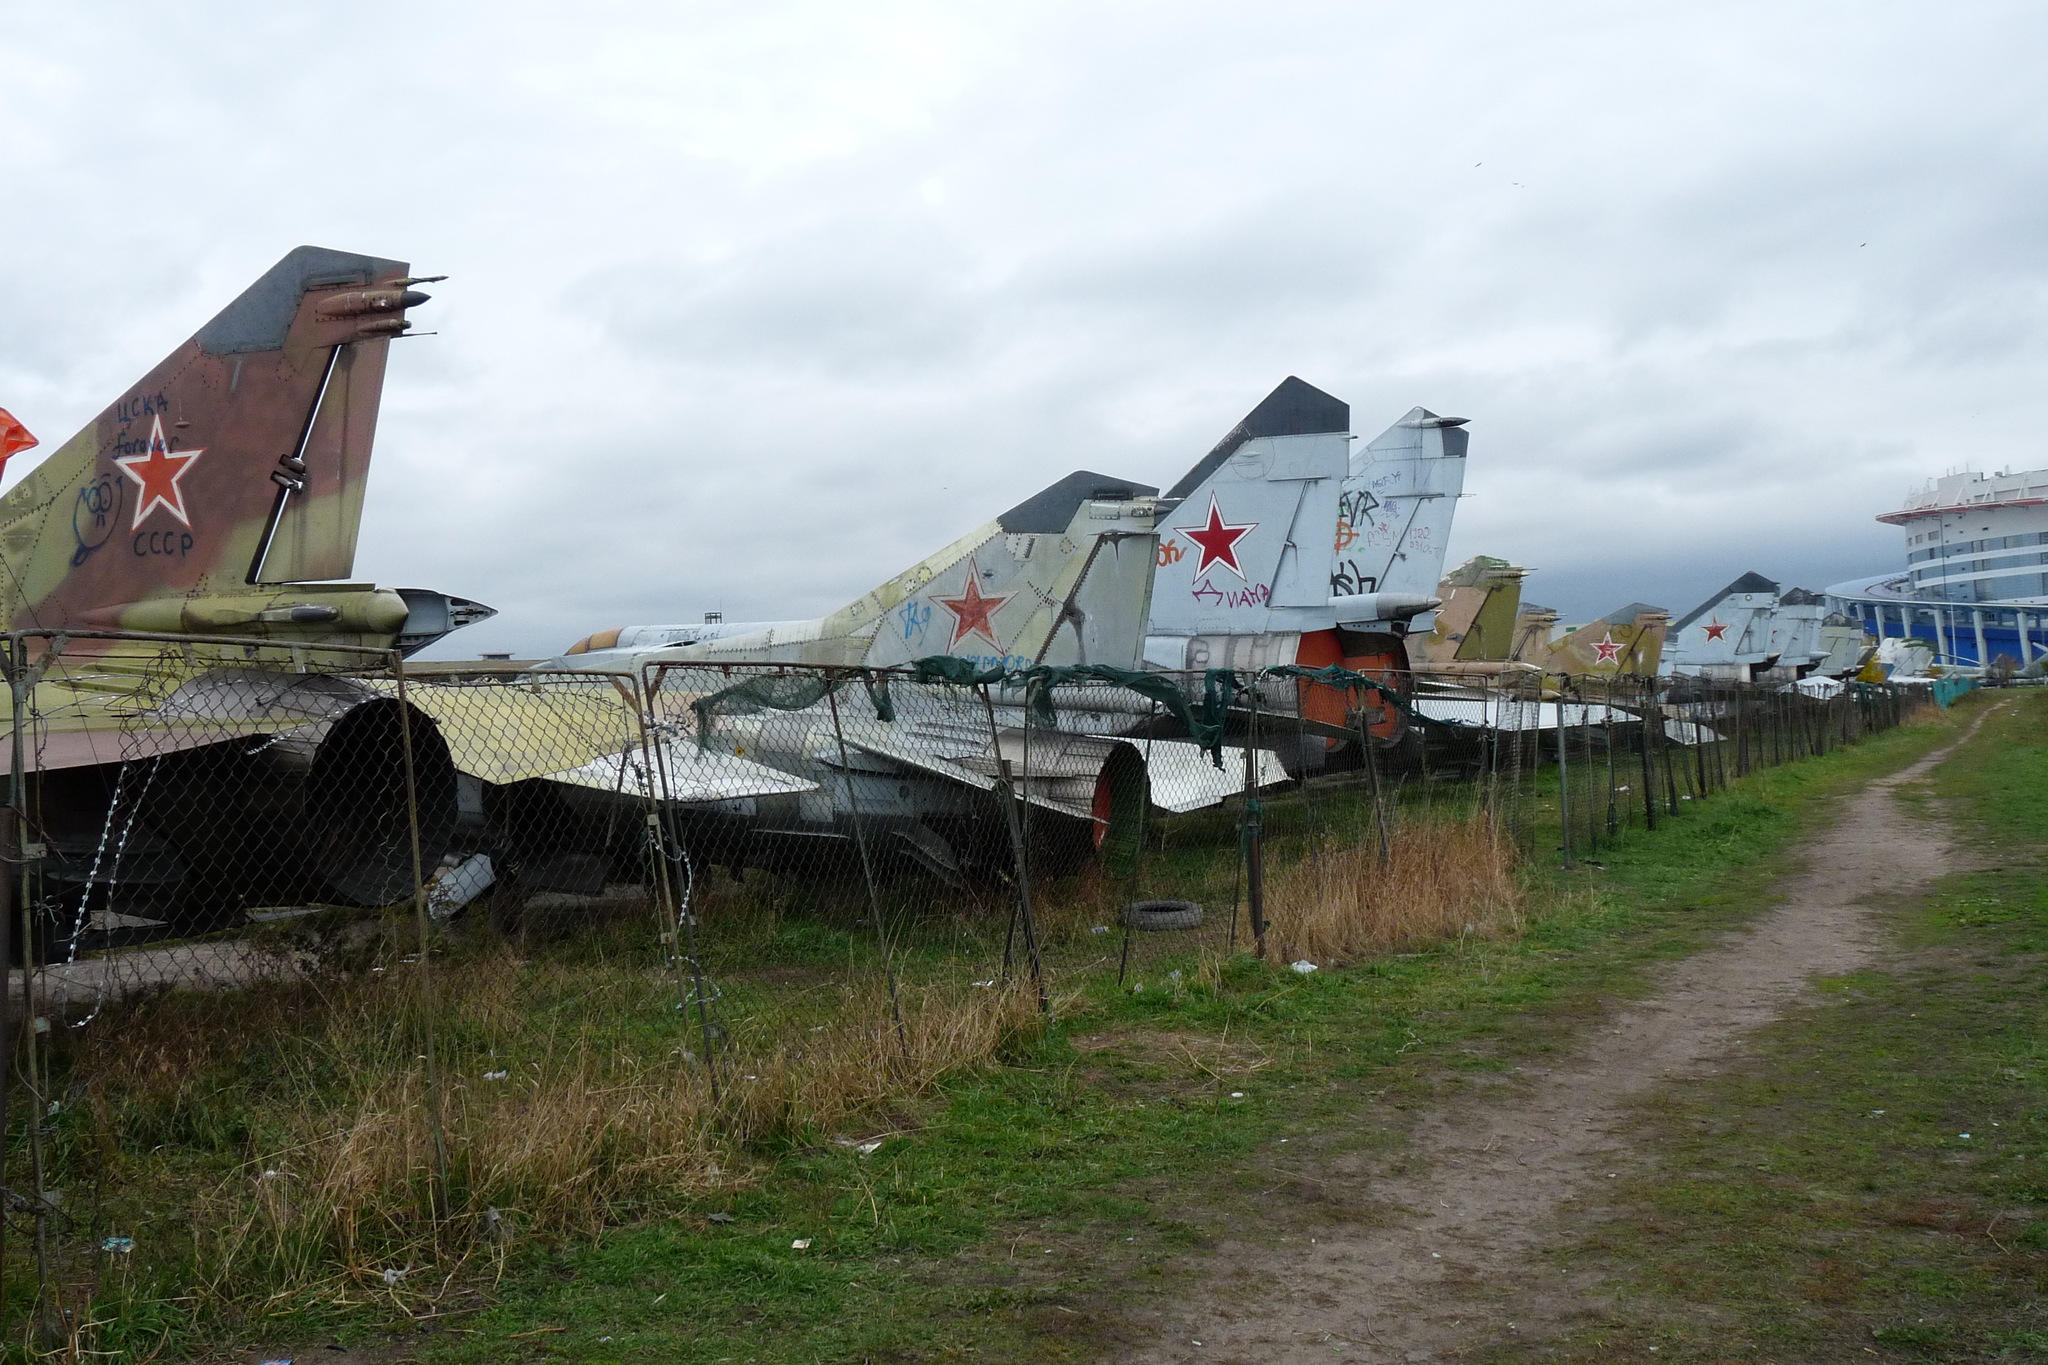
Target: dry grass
(286,1134)
(1441,880)
(307,1132)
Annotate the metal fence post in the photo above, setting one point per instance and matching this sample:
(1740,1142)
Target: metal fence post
(867,870)
(1253,831)
(21,692)
(1650,715)
(1009,794)
(425,980)
(10,858)
(1370,756)
(1607,734)
(692,988)
(1564,785)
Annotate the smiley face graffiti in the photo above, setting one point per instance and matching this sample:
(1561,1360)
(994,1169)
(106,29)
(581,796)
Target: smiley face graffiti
(94,514)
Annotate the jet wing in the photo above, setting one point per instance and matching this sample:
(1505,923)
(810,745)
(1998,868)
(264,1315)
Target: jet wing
(961,754)
(1482,712)
(1183,778)
(1498,713)
(969,768)
(1180,776)
(585,738)
(690,775)
(510,734)
(92,709)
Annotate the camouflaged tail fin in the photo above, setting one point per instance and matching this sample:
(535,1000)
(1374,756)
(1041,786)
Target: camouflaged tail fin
(238,461)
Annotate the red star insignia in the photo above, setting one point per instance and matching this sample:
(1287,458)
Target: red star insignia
(1715,631)
(158,470)
(1608,649)
(972,609)
(1217,540)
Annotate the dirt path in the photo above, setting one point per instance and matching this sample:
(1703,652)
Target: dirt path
(1453,1269)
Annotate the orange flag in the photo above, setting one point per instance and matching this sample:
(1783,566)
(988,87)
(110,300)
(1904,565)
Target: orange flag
(14,437)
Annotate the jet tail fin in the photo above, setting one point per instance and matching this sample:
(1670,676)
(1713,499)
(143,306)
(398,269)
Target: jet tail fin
(1477,622)
(1246,551)
(238,460)
(1627,641)
(1729,632)
(1399,497)
(1061,578)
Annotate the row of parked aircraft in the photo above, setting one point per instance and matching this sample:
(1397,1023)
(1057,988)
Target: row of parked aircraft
(220,498)
(1753,630)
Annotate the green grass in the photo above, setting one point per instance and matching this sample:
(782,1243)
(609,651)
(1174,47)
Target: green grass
(1031,1210)
(1873,1184)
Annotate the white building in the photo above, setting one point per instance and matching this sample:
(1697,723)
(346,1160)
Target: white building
(1975,584)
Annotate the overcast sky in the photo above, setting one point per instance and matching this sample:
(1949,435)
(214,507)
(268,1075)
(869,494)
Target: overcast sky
(754,304)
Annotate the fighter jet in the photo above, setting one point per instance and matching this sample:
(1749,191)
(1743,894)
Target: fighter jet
(1628,641)
(1745,630)
(1485,632)
(1060,578)
(1795,625)
(1281,598)
(218,500)
(1356,549)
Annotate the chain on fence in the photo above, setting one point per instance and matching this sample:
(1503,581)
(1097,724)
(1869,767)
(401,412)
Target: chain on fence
(333,976)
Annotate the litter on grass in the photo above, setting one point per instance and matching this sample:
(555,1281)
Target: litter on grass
(1304,966)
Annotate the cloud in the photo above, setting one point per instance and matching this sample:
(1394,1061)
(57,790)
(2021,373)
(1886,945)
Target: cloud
(754,304)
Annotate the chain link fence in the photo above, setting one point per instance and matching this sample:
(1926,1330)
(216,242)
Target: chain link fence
(1629,751)
(331,978)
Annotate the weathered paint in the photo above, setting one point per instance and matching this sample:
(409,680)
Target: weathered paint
(196,501)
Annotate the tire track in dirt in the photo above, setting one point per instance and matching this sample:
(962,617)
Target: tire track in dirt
(1455,1266)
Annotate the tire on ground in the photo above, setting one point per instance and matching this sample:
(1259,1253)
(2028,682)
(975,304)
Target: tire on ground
(1155,916)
